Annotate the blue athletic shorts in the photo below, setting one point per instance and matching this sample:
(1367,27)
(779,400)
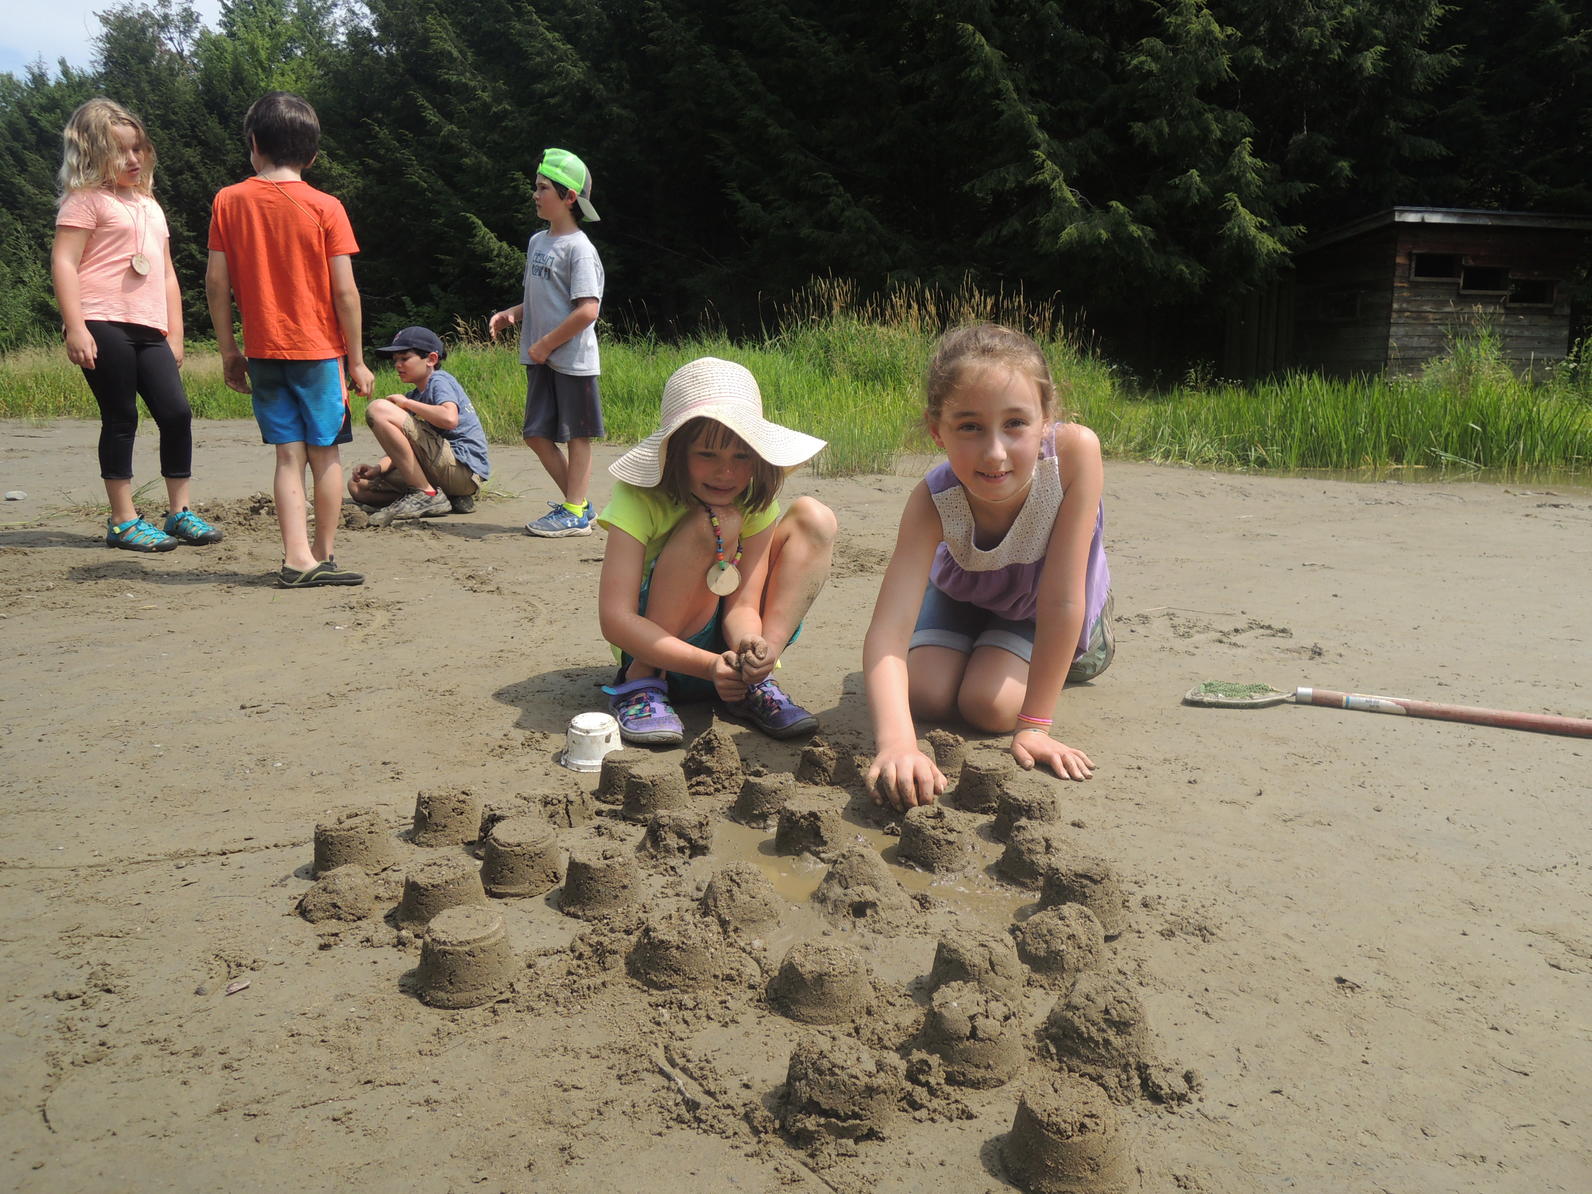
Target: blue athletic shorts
(300,402)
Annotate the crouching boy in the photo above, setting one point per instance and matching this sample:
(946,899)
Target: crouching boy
(435,448)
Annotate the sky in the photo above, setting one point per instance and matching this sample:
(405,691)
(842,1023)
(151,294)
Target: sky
(55,29)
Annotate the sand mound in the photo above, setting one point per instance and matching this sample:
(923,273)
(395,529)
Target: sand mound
(859,890)
(1058,944)
(741,899)
(820,982)
(713,765)
(836,1088)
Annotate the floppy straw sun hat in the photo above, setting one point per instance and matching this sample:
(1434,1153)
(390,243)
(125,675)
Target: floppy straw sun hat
(714,389)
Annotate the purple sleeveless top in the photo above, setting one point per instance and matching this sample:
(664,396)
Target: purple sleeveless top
(1005,578)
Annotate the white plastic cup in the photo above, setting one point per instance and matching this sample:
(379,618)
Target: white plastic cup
(590,737)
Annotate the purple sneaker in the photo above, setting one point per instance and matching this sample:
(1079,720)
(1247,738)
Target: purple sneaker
(642,709)
(771,711)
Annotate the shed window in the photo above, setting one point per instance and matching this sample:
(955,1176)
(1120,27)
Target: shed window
(1531,292)
(1484,279)
(1434,265)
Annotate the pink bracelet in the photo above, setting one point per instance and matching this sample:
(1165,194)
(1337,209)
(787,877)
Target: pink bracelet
(1034,721)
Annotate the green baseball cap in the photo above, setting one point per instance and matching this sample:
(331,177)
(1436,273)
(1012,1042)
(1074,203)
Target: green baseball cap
(569,171)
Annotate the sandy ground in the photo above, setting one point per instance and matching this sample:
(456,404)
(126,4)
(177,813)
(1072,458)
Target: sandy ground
(1366,935)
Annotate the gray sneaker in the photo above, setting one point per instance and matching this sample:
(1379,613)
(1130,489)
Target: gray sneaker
(462,503)
(417,503)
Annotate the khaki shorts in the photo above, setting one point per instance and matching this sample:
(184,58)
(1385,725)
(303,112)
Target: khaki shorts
(434,454)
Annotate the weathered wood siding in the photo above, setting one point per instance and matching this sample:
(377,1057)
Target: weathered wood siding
(1427,312)
(1259,332)
(1343,301)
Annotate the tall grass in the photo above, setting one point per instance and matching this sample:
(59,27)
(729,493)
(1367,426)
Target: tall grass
(1466,412)
(849,370)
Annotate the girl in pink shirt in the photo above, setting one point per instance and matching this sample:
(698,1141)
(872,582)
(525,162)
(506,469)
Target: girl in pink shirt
(122,315)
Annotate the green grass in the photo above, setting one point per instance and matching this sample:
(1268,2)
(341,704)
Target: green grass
(850,372)
(1467,412)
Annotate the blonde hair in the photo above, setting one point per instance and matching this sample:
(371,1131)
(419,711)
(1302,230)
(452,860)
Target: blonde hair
(90,150)
(982,346)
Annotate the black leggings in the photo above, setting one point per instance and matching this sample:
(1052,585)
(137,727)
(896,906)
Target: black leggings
(132,360)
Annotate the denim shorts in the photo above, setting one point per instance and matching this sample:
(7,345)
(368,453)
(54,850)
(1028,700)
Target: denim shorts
(300,402)
(964,627)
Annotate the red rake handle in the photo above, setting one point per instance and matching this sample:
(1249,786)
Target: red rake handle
(1542,723)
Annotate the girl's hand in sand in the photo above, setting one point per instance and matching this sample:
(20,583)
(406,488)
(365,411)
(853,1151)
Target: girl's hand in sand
(726,677)
(904,779)
(1031,748)
(757,661)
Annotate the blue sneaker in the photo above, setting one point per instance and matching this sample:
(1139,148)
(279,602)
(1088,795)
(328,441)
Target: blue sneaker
(137,535)
(642,709)
(190,528)
(770,710)
(559,523)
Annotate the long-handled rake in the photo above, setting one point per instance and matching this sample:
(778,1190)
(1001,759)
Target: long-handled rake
(1219,694)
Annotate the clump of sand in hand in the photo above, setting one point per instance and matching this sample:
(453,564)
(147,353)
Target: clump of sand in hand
(750,655)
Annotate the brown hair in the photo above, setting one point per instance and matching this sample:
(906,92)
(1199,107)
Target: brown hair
(675,481)
(284,128)
(981,346)
(89,149)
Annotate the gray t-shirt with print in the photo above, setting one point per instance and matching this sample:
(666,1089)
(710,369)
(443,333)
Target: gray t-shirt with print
(558,271)
(468,439)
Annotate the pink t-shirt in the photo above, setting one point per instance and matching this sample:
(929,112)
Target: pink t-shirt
(119,225)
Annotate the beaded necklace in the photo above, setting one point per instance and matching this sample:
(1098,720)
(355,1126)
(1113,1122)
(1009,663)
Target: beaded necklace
(724,577)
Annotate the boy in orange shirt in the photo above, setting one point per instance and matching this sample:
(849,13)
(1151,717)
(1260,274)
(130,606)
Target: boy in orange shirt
(283,250)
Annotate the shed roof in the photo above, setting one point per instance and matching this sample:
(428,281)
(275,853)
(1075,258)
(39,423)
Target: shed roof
(1468,216)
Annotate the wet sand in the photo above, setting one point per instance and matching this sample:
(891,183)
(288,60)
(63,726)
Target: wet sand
(1366,935)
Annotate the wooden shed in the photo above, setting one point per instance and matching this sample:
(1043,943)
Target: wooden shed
(1384,293)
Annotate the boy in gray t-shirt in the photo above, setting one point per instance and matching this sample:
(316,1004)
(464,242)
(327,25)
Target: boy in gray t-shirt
(558,344)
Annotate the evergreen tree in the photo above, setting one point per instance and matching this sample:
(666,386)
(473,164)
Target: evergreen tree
(33,110)
(1516,124)
(441,200)
(1144,159)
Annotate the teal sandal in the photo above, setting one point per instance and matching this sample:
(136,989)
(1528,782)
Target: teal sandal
(189,528)
(137,535)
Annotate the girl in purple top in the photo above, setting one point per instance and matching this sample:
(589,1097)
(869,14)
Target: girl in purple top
(998,590)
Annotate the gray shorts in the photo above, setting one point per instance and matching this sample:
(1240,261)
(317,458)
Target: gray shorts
(560,407)
(962,626)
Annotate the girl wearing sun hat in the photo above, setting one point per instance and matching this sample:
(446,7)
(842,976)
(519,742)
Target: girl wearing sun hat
(705,580)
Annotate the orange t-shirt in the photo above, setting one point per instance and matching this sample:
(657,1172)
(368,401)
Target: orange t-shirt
(119,226)
(280,238)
